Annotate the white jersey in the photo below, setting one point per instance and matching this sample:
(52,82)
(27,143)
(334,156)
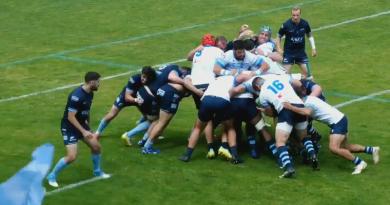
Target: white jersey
(250,62)
(276,90)
(203,65)
(274,67)
(220,87)
(266,48)
(322,111)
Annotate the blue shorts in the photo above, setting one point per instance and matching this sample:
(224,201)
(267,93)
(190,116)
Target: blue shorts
(244,109)
(202,87)
(214,108)
(149,106)
(341,127)
(70,134)
(168,99)
(291,117)
(120,101)
(295,57)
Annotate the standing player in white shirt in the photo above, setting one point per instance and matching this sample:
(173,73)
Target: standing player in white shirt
(203,60)
(337,121)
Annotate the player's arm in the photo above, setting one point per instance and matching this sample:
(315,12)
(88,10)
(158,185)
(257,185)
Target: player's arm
(278,40)
(302,111)
(189,86)
(261,66)
(267,111)
(129,96)
(264,66)
(243,76)
(190,55)
(174,78)
(275,56)
(264,106)
(312,43)
(72,119)
(279,44)
(316,90)
(220,68)
(237,90)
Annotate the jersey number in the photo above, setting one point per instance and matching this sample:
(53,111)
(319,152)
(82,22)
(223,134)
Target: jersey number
(198,53)
(276,86)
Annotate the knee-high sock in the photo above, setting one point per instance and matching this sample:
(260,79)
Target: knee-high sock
(284,156)
(308,144)
(61,164)
(102,125)
(139,128)
(272,147)
(96,162)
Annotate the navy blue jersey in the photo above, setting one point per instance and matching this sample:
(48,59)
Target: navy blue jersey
(308,84)
(133,85)
(295,34)
(79,101)
(162,77)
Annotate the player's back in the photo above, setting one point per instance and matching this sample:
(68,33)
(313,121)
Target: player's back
(276,90)
(322,111)
(274,67)
(133,84)
(162,77)
(203,64)
(220,87)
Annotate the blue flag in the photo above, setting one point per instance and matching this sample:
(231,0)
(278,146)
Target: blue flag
(25,187)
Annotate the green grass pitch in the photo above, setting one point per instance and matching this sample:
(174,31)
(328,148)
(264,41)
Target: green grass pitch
(48,44)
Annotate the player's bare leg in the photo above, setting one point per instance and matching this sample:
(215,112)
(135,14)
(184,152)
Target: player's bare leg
(94,144)
(193,140)
(335,146)
(158,128)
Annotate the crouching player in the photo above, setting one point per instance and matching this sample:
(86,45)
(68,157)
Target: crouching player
(274,90)
(166,91)
(337,121)
(75,127)
(215,105)
(245,109)
(127,97)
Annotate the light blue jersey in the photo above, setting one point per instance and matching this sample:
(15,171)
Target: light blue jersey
(250,62)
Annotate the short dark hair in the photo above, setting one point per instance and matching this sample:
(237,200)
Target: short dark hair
(91,75)
(149,72)
(238,45)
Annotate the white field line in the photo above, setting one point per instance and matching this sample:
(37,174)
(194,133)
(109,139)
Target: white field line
(77,184)
(72,186)
(95,62)
(372,95)
(352,20)
(145,36)
(179,60)
(78,84)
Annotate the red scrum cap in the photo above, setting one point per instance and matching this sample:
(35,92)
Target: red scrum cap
(208,40)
